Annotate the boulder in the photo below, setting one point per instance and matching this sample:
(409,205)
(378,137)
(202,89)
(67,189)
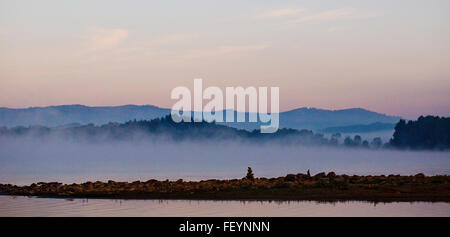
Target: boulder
(320,175)
(289,177)
(419,175)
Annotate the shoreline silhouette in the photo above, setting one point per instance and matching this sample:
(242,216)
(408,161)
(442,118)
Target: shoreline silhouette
(319,187)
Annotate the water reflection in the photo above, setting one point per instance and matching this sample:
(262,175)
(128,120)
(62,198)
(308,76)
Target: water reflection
(26,206)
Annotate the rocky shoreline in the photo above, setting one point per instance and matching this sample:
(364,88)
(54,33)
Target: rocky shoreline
(322,186)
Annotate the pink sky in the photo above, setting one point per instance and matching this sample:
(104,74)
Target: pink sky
(384,57)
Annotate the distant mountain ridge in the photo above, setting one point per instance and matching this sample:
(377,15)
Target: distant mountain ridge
(64,115)
(360,128)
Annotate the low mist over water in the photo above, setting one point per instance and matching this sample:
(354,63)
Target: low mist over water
(24,161)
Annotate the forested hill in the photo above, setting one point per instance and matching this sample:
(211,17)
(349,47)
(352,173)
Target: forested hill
(428,132)
(73,115)
(425,133)
(165,128)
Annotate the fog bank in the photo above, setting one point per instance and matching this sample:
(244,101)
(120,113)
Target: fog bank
(24,161)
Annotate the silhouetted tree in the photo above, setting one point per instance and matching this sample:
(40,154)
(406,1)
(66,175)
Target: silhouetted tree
(334,140)
(348,141)
(357,140)
(249,174)
(376,142)
(365,144)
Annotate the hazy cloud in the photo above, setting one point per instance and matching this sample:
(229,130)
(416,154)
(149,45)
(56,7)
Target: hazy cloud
(333,15)
(303,15)
(167,39)
(281,13)
(225,50)
(101,39)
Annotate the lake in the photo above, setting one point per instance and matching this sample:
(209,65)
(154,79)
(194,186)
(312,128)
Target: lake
(33,206)
(26,161)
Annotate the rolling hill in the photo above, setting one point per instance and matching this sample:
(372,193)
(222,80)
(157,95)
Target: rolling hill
(64,115)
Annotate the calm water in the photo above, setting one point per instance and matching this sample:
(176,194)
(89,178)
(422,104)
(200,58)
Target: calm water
(25,162)
(26,206)
(28,161)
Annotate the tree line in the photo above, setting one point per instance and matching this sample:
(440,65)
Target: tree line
(430,132)
(425,133)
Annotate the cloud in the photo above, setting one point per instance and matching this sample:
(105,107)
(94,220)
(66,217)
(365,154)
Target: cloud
(303,15)
(281,13)
(145,46)
(327,15)
(101,39)
(226,50)
(172,39)
(333,15)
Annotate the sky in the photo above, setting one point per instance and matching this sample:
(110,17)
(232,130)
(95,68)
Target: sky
(390,56)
